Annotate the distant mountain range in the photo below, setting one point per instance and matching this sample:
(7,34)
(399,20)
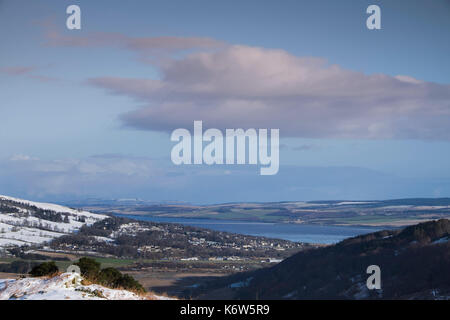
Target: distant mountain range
(414,264)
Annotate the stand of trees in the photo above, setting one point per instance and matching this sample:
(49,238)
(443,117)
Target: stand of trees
(108,277)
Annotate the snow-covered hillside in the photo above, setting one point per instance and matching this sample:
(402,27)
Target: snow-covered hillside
(25,222)
(66,286)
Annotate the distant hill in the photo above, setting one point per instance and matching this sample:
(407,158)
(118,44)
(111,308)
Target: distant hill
(25,222)
(375,213)
(414,262)
(392,202)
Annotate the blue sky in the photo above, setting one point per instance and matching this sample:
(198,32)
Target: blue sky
(81,119)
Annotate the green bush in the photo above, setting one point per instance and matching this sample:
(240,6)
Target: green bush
(108,277)
(113,278)
(44,269)
(129,283)
(89,268)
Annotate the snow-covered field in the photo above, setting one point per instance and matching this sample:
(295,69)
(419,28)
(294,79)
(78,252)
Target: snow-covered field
(22,226)
(66,286)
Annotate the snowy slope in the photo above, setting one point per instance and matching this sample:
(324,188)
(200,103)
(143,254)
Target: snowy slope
(22,222)
(66,286)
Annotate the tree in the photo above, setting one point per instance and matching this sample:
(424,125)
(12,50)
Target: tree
(129,283)
(109,277)
(44,269)
(89,267)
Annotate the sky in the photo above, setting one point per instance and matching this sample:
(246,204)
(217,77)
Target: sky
(363,114)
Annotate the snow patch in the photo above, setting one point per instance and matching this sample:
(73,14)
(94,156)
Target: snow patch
(66,286)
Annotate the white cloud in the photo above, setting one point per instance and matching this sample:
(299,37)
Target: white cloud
(243,86)
(76,176)
(22,157)
(146,47)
